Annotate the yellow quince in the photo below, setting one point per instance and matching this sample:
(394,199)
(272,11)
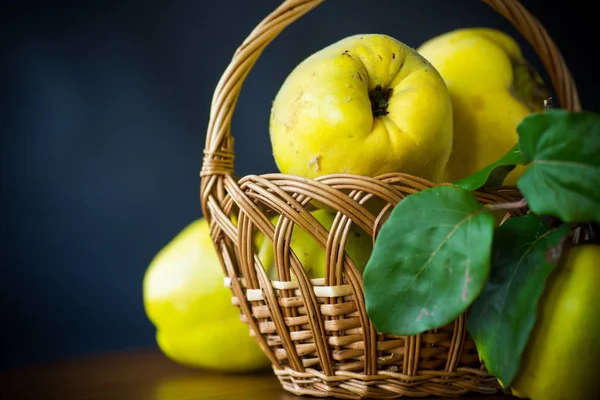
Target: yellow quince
(187,301)
(311,255)
(492,88)
(367,104)
(562,356)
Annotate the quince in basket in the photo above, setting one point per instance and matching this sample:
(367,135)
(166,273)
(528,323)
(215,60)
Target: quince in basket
(311,255)
(492,87)
(367,104)
(186,300)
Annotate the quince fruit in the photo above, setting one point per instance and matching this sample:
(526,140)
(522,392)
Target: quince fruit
(367,105)
(492,88)
(186,300)
(562,357)
(311,255)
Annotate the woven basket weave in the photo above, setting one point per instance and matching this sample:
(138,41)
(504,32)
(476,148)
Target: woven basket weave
(316,332)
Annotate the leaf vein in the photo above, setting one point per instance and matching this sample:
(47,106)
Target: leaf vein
(513,274)
(573,164)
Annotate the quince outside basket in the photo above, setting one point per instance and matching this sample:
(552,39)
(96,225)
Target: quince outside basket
(317,333)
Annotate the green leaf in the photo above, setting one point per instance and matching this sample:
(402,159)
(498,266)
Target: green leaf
(564,178)
(429,262)
(525,251)
(495,173)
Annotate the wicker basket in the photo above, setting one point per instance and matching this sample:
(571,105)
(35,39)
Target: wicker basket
(316,332)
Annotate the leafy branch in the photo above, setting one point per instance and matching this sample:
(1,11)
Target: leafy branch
(508,206)
(440,253)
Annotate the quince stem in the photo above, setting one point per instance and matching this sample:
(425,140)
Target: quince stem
(379,100)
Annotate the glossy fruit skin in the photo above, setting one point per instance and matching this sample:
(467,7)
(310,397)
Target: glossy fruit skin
(492,87)
(322,119)
(562,358)
(187,301)
(311,255)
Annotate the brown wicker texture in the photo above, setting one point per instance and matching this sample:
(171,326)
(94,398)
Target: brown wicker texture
(316,332)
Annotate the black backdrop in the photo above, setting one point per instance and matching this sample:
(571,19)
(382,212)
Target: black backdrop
(105,106)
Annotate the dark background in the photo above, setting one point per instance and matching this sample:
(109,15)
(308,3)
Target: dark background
(105,107)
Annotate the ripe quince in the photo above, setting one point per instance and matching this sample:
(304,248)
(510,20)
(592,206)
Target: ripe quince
(311,255)
(187,301)
(562,356)
(367,104)
(492,87)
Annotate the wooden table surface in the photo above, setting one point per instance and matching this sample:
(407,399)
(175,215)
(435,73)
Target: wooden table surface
(142,375)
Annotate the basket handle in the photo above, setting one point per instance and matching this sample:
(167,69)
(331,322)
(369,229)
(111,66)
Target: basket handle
(218,152)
